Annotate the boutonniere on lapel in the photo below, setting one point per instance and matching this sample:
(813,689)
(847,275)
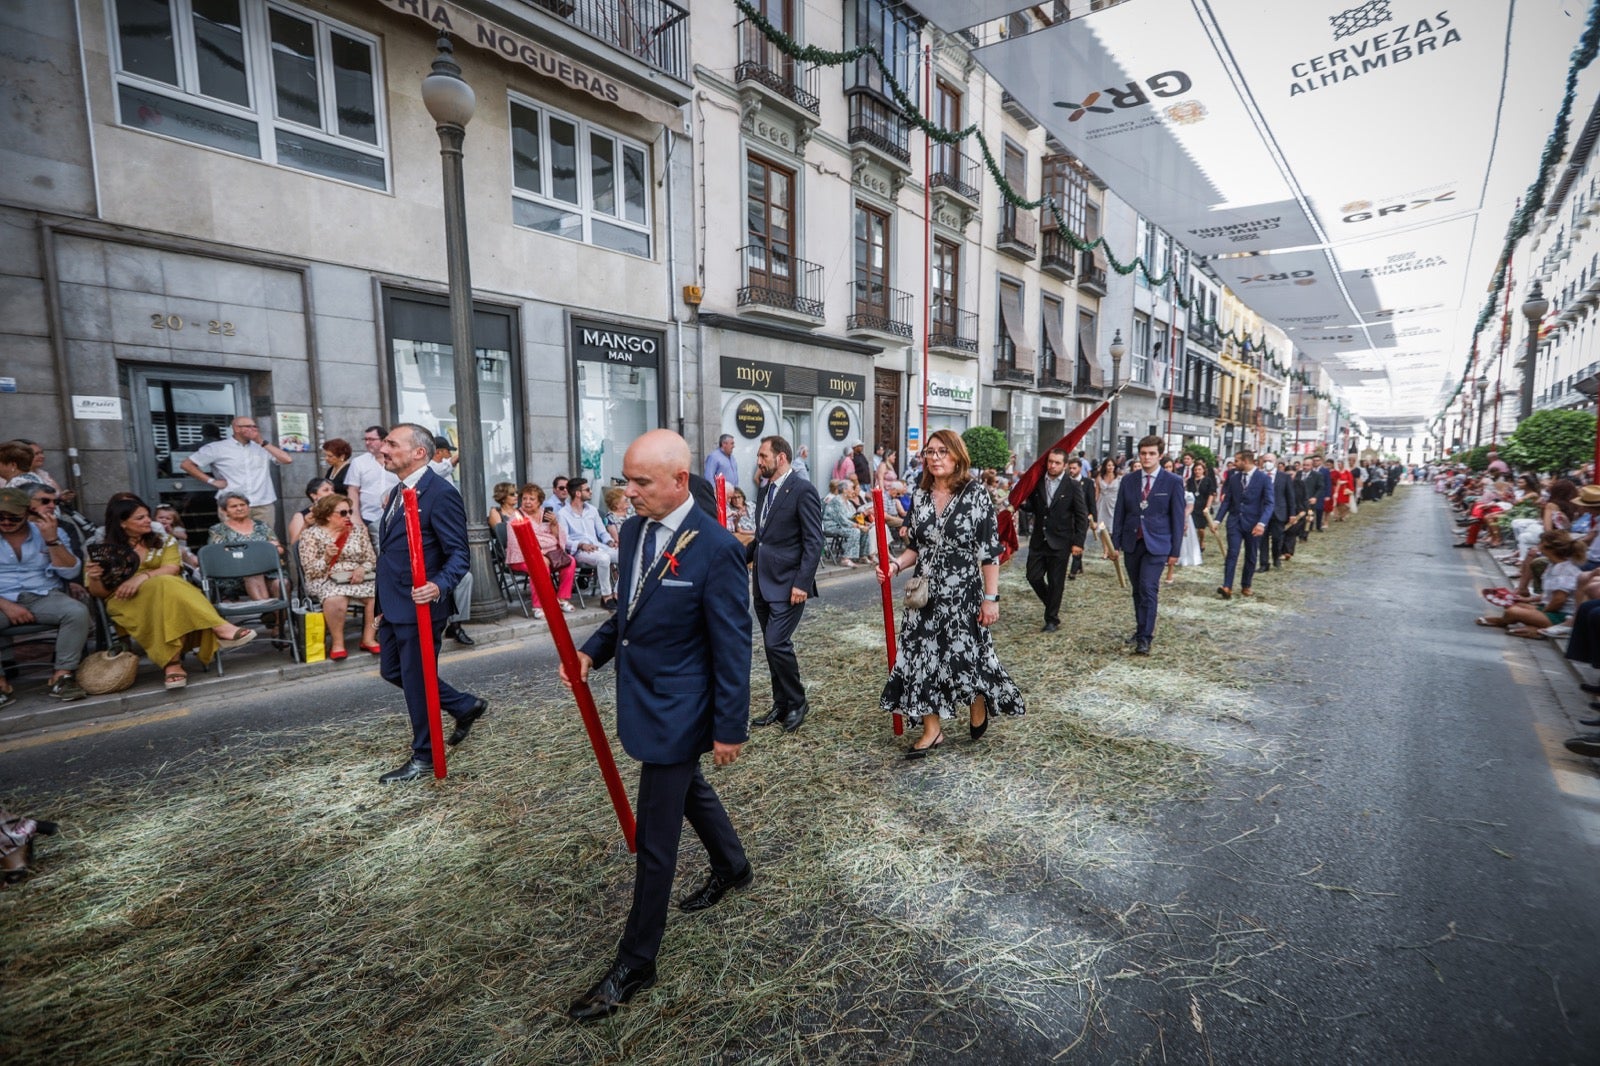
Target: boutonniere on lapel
(670,557)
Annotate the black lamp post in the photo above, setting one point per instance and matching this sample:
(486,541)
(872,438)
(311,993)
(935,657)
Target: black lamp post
(1118,350)
(451,102)
(1483,388)
(1533,308)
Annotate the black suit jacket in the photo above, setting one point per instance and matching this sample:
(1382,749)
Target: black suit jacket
(788,544)
(1091,495)
(705,496)
(1064,523)
(1283,498)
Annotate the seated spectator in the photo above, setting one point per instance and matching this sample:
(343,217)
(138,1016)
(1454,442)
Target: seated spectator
(238,527)
(42,504)
(35,565)
(504,507)
(36,471)
(552,542)
(896,503)
(136,573)
(166,520)
(1528,616)
(16,465)
(587,537)
(339,563)
(316,489)
(617,509)
(741,519)
(839,520)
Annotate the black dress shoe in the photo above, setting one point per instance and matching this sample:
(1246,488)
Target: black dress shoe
(711,892)
(464,723)
(1142,648)
(412,770)
(1585,745)
(774,715)
(1593,690)
(1050,627)
(612,991)
(1131,639)
(1589,721)
(457,633)
(792,720)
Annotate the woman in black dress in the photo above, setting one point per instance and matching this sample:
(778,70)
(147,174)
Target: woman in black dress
(947,654)
(336,453)
(1204,486)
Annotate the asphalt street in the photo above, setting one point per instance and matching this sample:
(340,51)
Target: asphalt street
(1410,876)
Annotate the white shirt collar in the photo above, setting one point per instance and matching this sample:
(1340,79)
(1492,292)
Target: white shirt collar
(411,479)
(672,521)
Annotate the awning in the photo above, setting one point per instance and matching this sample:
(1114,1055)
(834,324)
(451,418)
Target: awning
(1086,353)
(1052,330)
(1016,329)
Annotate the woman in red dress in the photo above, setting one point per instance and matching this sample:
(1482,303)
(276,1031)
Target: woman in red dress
(1344,487)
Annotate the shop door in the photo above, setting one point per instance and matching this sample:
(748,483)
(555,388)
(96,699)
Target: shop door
(886,412)
(174,415)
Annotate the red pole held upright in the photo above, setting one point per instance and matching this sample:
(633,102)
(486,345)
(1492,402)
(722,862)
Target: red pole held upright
(722,500)
(882,524)
(430,662)
(544,587)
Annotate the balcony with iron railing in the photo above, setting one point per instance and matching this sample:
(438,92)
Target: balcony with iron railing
(880,126)
(1019,232)
(776,281)
(1091,274)
(879,310)
(952,329)
(1059,258)
(1007,372)
(792,86)
(955,172)
(654,32)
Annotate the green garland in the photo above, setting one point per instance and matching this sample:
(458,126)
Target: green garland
(913,115)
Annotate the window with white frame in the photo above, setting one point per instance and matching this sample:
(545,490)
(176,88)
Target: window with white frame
(577,180)
(1141,348)
(263,80)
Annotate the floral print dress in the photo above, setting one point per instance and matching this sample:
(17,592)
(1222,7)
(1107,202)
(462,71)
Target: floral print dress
(946,658)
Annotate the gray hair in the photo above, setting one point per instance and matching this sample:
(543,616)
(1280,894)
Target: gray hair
(230,494)
(421,436)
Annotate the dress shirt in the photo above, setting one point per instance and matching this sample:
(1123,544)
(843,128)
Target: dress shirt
(586,528)
(769,493)
(720,463)
(31,571)
(368,477)
(245,467)
(1052,485)
(392,509)
(665,536)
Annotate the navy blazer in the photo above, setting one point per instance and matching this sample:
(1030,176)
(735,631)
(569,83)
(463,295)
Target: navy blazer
(1252,506)
(444,550)
(683,659)
(788,545)
(1162,521)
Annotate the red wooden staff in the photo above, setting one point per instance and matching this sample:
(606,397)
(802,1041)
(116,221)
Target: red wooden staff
(544,586)
(430,664)
(879,520)
(722,500)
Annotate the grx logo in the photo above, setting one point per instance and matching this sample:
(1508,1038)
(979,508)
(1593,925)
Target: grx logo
(1168,83)
(1368,16)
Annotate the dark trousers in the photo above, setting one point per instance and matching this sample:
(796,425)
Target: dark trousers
(1320,512)
(1144,576)
(401,665)
(1239,535)
(1584,644)
(1047,573)
(778,623)
(667,795)
(1274,544)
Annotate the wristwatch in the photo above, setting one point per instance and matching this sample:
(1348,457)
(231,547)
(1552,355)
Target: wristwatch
(992,599)
(52,544)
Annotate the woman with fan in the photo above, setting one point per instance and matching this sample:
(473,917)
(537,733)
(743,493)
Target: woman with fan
(339,563)
(136,571)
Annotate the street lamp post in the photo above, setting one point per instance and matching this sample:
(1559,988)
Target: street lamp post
(451,102)
(1118,350)
(1483,388)
(1533,308)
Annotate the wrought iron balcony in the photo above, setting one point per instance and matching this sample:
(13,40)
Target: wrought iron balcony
(778,280)
(655,32)
(1207,409)
(1011,374)
(955,172)
(953,329)
(1048,382)
(1060,258)
(761,61)
(876,308)
(1019,232)
(1091,274)
(880,126)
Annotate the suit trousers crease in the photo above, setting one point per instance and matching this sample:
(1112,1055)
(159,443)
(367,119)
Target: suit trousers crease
(1047,574)
(400,663)
(778,624)
(667,795)
(1144,577)
(1239,536)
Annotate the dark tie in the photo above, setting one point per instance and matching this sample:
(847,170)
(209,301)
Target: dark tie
(647,556)
(392,511)
(766,502)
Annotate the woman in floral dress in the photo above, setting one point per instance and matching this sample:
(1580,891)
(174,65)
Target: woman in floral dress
(947,654)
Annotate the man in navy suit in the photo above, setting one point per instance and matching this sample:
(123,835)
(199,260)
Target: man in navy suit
(1244,512)
(1147,526)
(405,452)
(1321,489)
(786,552)
(681,640)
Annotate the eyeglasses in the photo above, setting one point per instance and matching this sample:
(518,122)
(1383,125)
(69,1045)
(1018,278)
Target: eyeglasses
(342,514)
(7,516)
(45,499)
(935,453)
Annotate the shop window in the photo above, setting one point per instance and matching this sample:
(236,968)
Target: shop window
(267,81)
(573,179)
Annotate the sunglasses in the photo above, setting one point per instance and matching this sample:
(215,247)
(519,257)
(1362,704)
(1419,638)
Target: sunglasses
(7,516)
(342,514)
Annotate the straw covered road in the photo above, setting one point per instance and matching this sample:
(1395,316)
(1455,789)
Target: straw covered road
(1332,824)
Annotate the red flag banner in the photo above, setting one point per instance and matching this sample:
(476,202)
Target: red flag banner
(1030,479)
(430,661)
(544,587)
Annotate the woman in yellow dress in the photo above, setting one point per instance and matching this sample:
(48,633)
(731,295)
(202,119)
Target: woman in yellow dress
(145,595)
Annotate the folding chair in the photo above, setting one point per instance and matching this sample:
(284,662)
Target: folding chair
(513,586)
(248,559)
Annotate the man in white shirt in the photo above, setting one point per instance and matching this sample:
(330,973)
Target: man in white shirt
(445,460)
(367,483)
(243,464)
(587,538)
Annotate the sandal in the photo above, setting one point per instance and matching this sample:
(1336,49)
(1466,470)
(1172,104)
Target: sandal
(176,679)
(566,607)
(1482,621)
